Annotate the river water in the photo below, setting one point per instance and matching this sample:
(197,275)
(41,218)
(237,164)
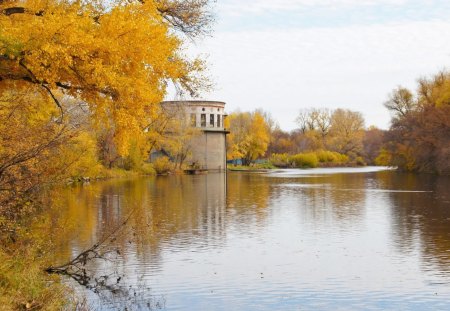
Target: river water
(327,239)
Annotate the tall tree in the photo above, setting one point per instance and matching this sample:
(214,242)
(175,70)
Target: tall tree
(400,102)
(249,137)
(347,132)
(419,140)
(116,57)
(373,143)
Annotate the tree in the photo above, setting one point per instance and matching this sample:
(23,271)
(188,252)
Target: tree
(347,132)
(400,102)
(419,140)
(322,119)
(177,132)
(305,120)
(249,136)
(53,49)
(280,142)
(82,49)
(315,124)
(373,142)
(115,58)
(434,91)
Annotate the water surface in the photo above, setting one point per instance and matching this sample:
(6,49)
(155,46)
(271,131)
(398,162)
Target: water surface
(330,239)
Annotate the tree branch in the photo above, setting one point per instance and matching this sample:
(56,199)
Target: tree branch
(19,10)
(45,86)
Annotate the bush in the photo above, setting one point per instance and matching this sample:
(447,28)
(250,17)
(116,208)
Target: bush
(308,159)
(162,165)
(265,166)
(384,158)
(325,156)
(280,160)
(147,169)
(304,160)
(134,160)
(360,161)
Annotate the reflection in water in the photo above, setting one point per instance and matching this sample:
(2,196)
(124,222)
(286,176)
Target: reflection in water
(360,239)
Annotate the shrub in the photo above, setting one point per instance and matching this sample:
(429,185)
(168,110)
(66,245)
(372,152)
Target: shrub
(342,158)
(280,160)
(162,165)
(384,158)
(147,169)
(265,165)
(360,161)
(304,160)
(134,160)
(325,156)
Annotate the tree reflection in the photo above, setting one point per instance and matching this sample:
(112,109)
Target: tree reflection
(186,211)
(175,209)
(421,218)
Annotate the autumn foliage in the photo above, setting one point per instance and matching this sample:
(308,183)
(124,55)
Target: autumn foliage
(419,137)
(249,136)
(80,87)
(82,80)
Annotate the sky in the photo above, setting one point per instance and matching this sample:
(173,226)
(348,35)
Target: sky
(285,55)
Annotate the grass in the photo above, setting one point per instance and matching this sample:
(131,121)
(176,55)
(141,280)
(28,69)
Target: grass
(25,286)
(252,167)
(26,250)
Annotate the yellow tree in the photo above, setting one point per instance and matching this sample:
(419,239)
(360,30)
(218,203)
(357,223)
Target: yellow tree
(115,56)
(178,134)
(347,132)
(249,136)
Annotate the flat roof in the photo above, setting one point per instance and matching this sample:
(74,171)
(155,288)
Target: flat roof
(195,102)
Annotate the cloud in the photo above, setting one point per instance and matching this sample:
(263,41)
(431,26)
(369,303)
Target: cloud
(239,7)
(352,67)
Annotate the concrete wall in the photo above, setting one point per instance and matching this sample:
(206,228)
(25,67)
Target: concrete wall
(209,150)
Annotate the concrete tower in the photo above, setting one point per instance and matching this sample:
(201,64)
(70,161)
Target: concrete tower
(208,149)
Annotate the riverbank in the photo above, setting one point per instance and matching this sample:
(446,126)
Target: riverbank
(25,253)
(267,167)
(27,245)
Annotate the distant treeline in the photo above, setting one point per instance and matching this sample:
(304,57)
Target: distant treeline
(418,139)
(324,138)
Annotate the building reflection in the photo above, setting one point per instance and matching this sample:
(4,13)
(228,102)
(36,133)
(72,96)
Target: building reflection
(182,211)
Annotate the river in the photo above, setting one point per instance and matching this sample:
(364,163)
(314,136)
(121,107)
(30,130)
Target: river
(327,239)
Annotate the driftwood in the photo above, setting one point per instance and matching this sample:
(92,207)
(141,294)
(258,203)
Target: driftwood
(76,268)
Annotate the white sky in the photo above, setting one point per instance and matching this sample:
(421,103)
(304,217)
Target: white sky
(286,55)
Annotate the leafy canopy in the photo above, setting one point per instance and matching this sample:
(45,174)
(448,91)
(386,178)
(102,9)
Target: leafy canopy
(116,55)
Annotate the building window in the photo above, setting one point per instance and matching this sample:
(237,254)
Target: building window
(218,120)
(211,120)
(203,119)
(193,119)
(203,109)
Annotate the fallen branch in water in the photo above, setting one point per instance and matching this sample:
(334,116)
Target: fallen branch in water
(76,267)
